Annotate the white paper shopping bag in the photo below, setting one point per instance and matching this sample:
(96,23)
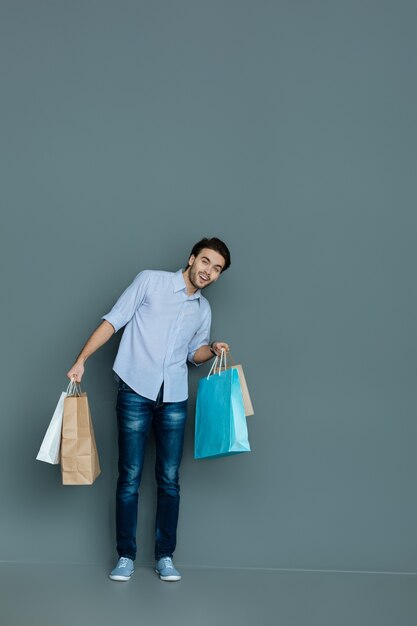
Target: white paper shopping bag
(51,444)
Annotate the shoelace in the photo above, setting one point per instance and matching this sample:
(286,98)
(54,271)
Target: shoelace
(168,563)
(123,561)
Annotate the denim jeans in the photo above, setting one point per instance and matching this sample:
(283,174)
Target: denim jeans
(135,414)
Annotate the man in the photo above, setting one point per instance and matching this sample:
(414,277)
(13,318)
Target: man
(167,321)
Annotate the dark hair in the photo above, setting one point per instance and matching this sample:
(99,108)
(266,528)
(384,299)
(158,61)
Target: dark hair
(213,243)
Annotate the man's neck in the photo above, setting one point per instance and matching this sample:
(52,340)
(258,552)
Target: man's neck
(190,287)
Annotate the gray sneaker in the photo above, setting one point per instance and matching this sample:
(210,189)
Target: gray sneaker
(166,570)
(123,570)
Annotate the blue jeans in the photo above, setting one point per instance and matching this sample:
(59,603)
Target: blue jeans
(135,414)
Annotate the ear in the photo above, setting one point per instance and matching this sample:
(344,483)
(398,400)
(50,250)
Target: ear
(191,259)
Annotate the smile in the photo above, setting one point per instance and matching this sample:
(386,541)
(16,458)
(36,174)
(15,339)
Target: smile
(203,278)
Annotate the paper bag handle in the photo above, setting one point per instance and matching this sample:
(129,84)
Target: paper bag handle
(73,388)
(222,362)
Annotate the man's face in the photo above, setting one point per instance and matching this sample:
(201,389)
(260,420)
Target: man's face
(205,268)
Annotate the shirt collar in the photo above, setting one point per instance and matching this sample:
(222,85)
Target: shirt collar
(179,284)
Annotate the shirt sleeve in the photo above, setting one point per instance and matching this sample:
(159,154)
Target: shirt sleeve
(129,301)
(201,337)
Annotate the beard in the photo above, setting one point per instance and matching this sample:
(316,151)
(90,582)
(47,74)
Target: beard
(193,276)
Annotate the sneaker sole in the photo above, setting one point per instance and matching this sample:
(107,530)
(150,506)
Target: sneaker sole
(168,578)
(120,578)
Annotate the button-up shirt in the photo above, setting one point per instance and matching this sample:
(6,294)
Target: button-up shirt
(163,328)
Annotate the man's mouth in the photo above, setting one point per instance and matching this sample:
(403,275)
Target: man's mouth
(204,278)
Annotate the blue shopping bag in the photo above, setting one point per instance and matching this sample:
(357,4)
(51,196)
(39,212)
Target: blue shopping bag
(220,421)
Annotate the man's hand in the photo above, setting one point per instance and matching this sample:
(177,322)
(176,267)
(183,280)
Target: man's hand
(76,372)
(97,339)
(218,346)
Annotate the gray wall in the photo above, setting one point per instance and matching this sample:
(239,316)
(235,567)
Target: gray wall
(129,131)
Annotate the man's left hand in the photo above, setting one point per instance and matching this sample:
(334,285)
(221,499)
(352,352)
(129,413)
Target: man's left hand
(218,346)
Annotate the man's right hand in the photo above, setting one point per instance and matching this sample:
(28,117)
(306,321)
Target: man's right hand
(76,372)
(97,339)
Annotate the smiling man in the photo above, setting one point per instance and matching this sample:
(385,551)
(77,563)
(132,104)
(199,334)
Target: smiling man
(167,322)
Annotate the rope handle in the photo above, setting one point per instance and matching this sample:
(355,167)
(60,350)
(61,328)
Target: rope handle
(222,363)
(73,388)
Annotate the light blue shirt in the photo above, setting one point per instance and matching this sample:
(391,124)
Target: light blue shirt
(164,328)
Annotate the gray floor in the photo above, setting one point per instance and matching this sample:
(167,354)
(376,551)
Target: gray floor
(78,595)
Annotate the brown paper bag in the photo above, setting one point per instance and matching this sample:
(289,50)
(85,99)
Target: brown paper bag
(244,387)
(79,457)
